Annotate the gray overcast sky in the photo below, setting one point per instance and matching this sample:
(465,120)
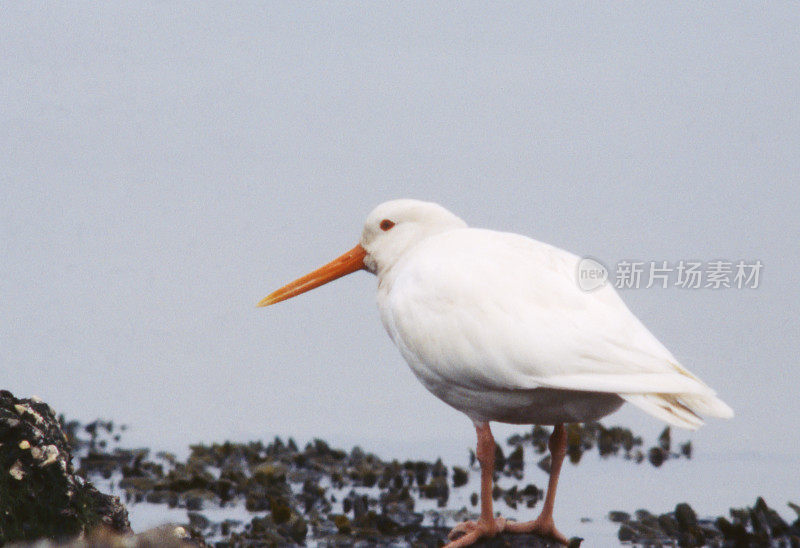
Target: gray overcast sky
(166,165)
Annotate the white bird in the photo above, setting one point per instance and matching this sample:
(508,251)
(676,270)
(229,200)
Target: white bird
(496,325)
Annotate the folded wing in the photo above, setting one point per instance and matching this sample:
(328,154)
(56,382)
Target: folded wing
(499,311)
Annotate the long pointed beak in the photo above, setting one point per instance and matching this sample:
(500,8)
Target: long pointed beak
(341,266)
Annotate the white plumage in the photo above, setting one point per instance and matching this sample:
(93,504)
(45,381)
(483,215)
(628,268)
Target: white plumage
(490,320)
(497,326)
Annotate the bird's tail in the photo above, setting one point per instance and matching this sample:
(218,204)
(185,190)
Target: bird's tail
(681,409)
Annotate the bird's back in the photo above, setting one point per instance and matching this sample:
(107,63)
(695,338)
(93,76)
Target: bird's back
(486,310)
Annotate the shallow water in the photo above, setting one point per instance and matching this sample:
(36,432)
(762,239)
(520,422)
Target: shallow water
(711,483)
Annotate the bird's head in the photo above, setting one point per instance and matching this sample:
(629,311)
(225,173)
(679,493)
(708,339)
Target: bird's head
(394,227)
(391,230)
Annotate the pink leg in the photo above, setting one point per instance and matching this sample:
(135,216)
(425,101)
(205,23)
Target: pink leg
(487,525)
(544,524)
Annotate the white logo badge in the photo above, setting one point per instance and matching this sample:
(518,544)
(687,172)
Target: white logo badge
(591,274)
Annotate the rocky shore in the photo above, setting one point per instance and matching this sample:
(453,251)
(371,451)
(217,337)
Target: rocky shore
(758,525)
(314,495)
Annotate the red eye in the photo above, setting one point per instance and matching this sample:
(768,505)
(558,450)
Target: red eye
(386,224)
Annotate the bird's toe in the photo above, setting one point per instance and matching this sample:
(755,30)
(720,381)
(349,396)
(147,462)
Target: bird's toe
(462,529)
(468,532)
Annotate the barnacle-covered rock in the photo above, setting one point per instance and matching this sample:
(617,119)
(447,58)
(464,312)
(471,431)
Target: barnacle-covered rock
(40,494)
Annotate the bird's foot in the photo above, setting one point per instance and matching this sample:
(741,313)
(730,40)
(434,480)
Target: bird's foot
(544,526)
(468,532)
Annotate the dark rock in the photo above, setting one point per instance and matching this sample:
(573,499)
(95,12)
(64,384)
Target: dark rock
(403,514)
(531,495)
(685,516)
(511,497)
(544,464)
(657,456)
(342,524)
(669,525)
(297,528)
(386,525)
(733,532)
(515,463)
(280,510)
(197,499)
(499,459)
(360,506)
(626,533)
(756,526)
(198,521)
(619,517)
(665,440)
(437,489)
(40,493)
(772,521)
(514,540)
(460,476)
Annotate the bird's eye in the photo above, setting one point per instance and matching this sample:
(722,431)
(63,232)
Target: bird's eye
(386,224)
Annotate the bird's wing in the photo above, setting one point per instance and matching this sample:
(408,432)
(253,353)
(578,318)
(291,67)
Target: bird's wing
(491,310)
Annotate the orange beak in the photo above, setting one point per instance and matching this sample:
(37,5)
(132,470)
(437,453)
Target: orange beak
(341,266)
